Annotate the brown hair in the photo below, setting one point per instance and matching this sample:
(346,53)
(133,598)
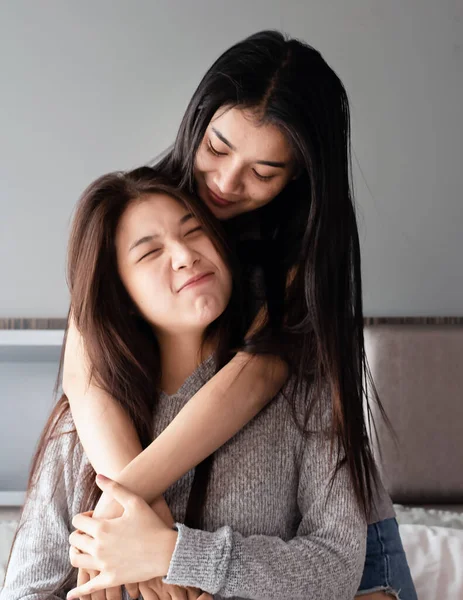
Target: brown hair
(121,346)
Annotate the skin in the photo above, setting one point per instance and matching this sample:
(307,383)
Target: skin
(160,246)
(97,543)
(229,162)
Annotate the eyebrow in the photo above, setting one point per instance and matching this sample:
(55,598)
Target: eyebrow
(269,163)
(148,238)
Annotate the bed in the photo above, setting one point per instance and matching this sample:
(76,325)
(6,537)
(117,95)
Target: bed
(417,366)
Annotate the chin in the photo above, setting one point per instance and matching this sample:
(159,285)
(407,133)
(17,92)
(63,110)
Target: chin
(208,310)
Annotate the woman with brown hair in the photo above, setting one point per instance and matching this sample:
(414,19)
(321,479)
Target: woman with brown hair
(158,301)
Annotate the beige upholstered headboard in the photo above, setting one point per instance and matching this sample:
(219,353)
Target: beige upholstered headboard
(417,366)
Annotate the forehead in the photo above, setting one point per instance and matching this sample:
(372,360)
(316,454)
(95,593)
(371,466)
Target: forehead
(157,211)
(241,127)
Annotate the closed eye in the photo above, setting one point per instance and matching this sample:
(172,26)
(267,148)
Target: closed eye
(263,177)
(198,228)
(213,151)
(155,251)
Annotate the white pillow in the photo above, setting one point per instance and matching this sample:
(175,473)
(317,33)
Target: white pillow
(435,557)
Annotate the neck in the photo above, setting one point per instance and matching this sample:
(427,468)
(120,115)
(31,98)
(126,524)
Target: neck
(181,355)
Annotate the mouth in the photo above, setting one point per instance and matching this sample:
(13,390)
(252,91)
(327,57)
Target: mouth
(196,280)
(217,200)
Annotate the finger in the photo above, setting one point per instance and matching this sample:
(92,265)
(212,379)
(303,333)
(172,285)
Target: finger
(82,542)
(114,593)
(159,588)
(176,593)
(205,596)
(85,524)
(83,576)
(100,594)
(132,590)
(116,491)
(79,560)
(148,593)
(193,593)
(98,583)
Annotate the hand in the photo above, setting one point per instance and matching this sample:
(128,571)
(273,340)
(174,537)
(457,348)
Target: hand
(114,593)
(105,544)
(156,589)
(133,589)
(111,509)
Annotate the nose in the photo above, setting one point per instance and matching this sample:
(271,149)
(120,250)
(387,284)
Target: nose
(228,179)
(182,256)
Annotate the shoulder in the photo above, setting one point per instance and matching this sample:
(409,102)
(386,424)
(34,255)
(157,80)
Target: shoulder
(297,414)
(310,405)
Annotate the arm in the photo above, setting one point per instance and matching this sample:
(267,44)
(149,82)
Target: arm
(106,433)
(40,554)
(229,400)
(324,560)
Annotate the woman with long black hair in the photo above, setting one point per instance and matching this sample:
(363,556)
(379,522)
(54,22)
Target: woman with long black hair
(265,143)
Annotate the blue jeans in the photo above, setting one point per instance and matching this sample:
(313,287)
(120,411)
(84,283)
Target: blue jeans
(386,567)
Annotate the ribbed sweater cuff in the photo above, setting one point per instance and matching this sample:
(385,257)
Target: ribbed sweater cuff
(200,558)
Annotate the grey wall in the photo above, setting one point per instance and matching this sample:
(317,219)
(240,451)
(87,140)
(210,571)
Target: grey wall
(88,87)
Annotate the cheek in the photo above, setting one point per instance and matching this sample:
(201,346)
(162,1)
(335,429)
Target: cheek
(129,283)
(208,250)
(150,292)
(204,161)
(226,280)
(138,293)
(262,193)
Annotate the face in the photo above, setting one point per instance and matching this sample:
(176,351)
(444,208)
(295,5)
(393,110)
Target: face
(169,266)
(240,164)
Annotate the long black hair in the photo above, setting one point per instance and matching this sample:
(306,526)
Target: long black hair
(309,250)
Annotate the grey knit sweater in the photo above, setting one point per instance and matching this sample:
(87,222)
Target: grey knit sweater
(269,527)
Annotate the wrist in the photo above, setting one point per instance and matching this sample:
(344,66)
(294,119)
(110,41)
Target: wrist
(168,544)
(159,506)
(107,508)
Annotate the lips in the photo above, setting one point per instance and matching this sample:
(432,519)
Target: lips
(217,200)
(195,279)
